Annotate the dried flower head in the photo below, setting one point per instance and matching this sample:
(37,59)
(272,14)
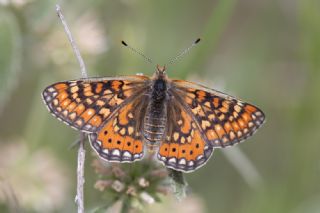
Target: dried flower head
(134,185)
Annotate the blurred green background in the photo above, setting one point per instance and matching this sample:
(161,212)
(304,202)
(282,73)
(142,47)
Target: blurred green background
(264,52)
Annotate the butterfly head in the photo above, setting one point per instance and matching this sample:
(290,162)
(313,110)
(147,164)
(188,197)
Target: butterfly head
(161,71)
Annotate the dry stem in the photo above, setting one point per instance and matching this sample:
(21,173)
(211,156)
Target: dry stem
(79,199)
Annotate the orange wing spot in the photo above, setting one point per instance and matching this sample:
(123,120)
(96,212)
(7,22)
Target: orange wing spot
(88,114)
(211,135)
(222,117)
(65,103)
(226,104)
(235,126)
(201,95)
(228,127)
(89,101)
(138,148)
(173,150)
(184,151)
(123,116)
(75,95)
(237,108)
(242,123)
(108,141)
(198,110)
(61,86)
(105,112)
(71,106)
(100,103)
(164,149)
(115,101)
(232,135)
(79,109)
(191,154)
(87,88)
(250,108)
(186,124)
(196,147)
(95,120)
(99,87)
(118,143)
(128,144)
(246,117)
(108,137)
(61,96)
(224,109)
(72,116)
(216,102)
(74,89)
(218,128)
(88,93)
(116,85)
(127,93)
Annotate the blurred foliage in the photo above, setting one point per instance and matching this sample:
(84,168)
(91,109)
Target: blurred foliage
(266,52)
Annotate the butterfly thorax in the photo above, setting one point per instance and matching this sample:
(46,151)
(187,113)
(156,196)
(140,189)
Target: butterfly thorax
(154,127)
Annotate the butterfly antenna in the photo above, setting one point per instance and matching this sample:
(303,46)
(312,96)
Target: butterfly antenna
(185,51)
(136,51)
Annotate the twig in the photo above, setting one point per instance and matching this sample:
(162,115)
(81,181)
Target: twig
(73,43)
(79,199)
(81,151)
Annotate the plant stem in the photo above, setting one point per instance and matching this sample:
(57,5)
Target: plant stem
(81,151)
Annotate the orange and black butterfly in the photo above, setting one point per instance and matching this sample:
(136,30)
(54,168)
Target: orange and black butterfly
(125,116)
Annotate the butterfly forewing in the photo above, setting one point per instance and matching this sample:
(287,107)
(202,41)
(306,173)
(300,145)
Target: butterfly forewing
(87,104)
(221,119)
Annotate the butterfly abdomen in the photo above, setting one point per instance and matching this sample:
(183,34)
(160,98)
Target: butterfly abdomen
(155,117)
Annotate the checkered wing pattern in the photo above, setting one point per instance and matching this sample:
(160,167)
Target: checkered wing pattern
(184,149)
(221,119)
(120,138)
(87,104)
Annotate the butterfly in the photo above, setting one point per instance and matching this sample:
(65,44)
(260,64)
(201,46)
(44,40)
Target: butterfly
(183,122)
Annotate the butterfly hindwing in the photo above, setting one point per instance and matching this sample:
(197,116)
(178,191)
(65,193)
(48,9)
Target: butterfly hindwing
(184,148)
(222,119)
(120,140)
(87,104)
